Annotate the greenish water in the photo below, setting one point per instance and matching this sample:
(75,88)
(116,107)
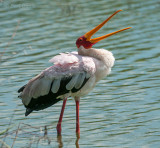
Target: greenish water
(124,108)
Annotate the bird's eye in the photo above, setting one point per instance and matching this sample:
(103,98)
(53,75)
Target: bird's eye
(80,39)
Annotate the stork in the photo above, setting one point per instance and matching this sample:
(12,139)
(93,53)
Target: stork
(73,74)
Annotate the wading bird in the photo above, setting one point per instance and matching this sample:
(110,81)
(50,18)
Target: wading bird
(73,74)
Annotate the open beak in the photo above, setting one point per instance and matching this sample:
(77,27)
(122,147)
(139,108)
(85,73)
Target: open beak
(89,34)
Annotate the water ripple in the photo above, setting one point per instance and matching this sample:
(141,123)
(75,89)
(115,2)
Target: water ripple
(123,109)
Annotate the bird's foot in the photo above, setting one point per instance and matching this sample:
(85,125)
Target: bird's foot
(59,129)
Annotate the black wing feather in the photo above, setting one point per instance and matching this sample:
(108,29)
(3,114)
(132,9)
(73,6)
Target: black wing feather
(51,98)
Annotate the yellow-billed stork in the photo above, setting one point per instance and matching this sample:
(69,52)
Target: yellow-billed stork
(73,74)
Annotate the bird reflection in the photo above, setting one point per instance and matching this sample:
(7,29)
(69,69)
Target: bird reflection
(60,142)
(76,143)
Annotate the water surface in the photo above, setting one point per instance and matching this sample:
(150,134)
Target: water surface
(124,108)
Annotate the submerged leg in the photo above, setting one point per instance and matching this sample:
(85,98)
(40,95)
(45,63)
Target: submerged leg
(60,117)
(77,117)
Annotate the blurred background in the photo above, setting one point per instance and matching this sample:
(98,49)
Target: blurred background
(124,108)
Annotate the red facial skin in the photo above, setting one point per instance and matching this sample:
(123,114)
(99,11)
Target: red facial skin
(82,41)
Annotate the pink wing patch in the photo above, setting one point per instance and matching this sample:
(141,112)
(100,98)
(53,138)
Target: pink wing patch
(65,58)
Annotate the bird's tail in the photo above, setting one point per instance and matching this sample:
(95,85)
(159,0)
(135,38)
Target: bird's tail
(41,102)
(28,111)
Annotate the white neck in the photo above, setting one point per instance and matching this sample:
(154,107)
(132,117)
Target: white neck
(103,55)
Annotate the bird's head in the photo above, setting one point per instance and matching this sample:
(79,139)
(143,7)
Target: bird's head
(86,40)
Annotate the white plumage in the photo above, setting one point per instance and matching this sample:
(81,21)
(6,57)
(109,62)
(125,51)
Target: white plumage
(80,68)
(56,85)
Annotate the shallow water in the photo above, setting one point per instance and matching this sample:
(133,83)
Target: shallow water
(124,108)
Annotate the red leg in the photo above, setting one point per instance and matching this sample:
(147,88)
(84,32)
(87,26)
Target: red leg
(60,117)
(77,117)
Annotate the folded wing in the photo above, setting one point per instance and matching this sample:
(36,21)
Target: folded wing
(69,74)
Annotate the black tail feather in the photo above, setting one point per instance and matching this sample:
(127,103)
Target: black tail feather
(21,89)
(28,111)
(38,107)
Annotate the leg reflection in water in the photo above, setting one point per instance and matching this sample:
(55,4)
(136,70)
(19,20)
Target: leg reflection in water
(60,142)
